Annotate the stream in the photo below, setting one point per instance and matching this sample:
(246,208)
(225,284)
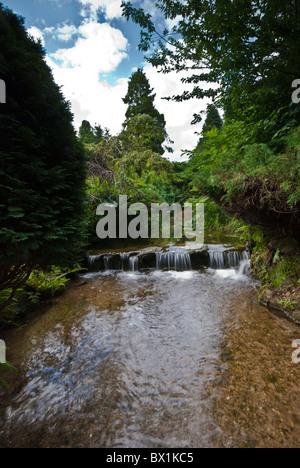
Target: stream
(164,357)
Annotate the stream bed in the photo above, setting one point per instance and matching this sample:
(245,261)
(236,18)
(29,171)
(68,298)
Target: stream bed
(154,358)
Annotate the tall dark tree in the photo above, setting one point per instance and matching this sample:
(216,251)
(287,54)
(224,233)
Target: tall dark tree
(213,119)
(140,98)
(140,101)
(86,133)
(42,166)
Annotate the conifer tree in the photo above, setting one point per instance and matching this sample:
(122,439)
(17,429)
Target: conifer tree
(213,119)
(42,166)
(140,100)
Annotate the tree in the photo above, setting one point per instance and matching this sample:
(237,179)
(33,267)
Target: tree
(246,50)
(92,135)
(43,167)
(140,99)
(213,119)
(86,133)
(143,132)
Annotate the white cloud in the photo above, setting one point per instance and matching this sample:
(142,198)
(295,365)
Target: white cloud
(150,7)
(63,33)
(112,8)
(99,50)
(178,115)
(97,102)
(36,34)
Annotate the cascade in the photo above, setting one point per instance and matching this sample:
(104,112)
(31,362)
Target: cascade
(173,261)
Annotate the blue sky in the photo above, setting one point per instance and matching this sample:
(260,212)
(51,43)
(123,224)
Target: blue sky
(93,51)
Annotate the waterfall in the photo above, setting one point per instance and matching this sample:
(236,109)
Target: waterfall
(215,257)
(173,261)
(217,260)
(134,263)
(228,259)
(107,262)
(245,267)
(129,262)
(124,261)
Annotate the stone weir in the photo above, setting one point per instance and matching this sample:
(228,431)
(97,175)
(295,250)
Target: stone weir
(176,259)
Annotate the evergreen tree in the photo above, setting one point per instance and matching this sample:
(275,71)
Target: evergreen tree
(140,100)
(86,133)
(92,135)
(213,119)
(42,169)
(98,133)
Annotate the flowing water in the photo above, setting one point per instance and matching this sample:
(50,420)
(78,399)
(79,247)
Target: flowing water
(139,359)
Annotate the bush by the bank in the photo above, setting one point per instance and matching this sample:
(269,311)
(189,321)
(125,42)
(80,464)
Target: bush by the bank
(276,265)
(39,288)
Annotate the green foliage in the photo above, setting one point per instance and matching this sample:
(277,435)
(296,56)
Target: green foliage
(215,218)
(140,101)
(249,179)
(42,164)
(6,367)
(92,135)
(40,286)
(213,119)
(10,314)
(287,268)
(128,165)
(143,132)
(245,51)
(277,270)
(46,284)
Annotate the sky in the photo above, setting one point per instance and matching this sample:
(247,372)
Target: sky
(92,51)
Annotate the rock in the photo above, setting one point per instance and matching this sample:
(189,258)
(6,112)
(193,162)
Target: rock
(147,260)
(199,259)
(95,263)
(268,298)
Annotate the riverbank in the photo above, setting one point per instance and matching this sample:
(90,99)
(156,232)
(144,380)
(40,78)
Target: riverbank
(258,400)
(40,289)
(276,265)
